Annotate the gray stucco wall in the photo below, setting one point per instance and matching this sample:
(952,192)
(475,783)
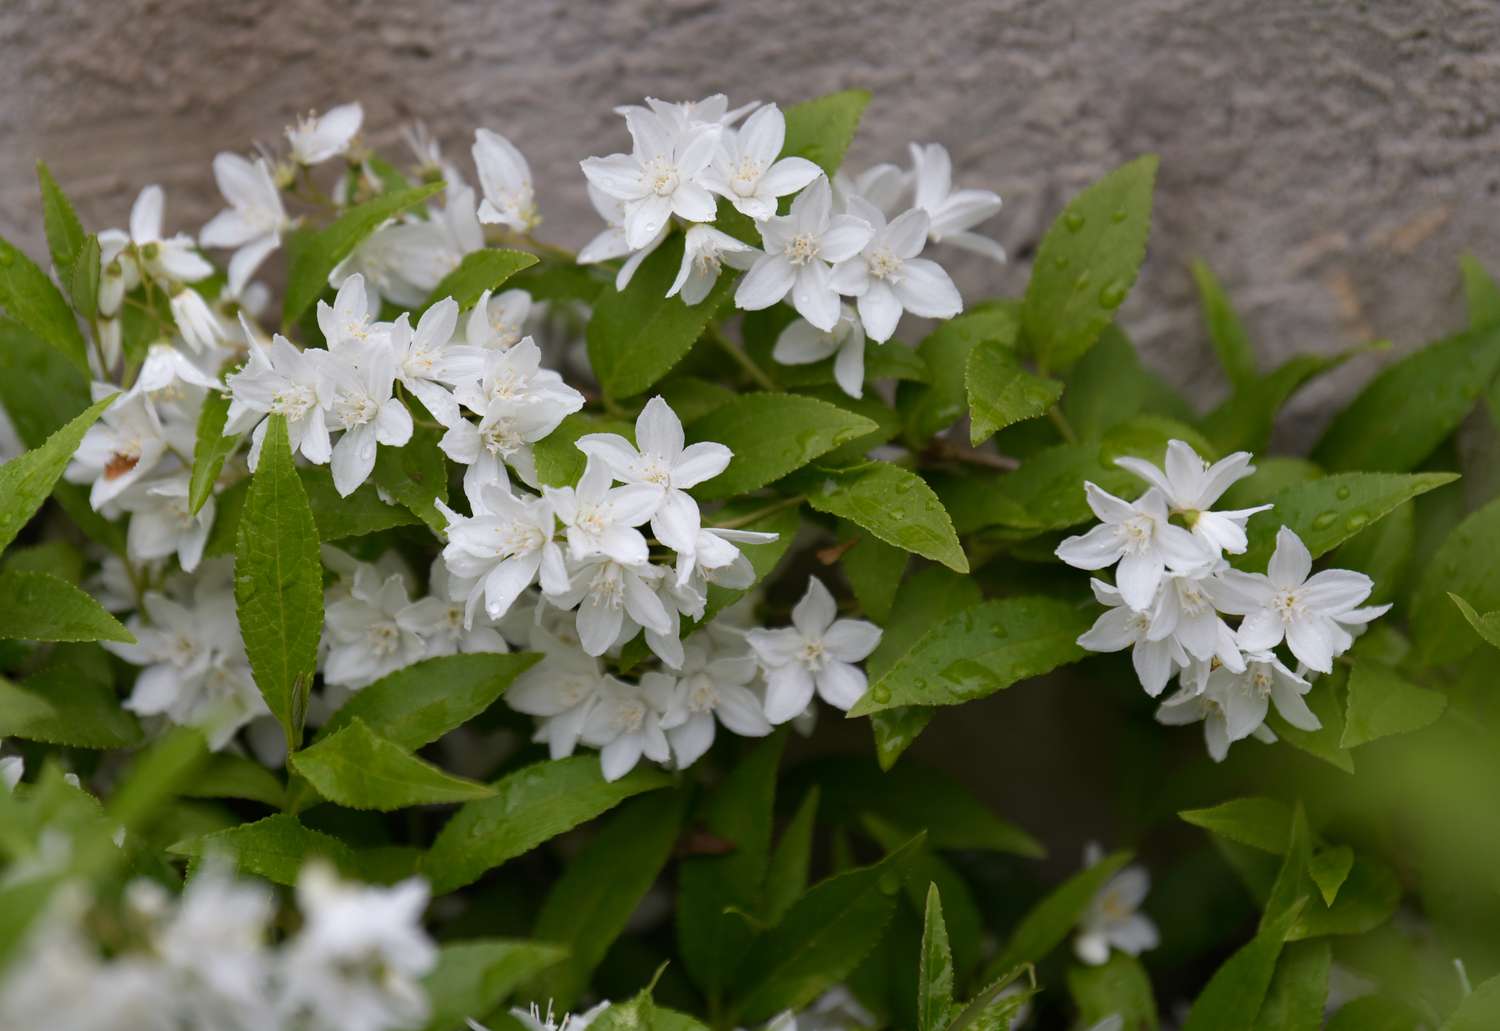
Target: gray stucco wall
(1330,159)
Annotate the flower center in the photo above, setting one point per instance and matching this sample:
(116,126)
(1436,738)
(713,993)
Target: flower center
(746,177)
(629,715)
(812,655)
(607,586)
(661,176)
(502,438)
(882,264)
(1137,533)
(384,638)
(1260,680)
(802,248)
(654,470)
(356,409)
(1288,605)
(293,402)
(702,696)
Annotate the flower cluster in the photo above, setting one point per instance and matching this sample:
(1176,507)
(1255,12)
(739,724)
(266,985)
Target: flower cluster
(206,960)
(1173,587)
(851,238)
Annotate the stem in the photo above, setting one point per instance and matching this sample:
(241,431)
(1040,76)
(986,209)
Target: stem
(741,358)
(946,450)
(759,513)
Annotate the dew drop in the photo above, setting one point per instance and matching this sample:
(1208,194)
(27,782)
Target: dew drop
(1082,282)
(1061,261)
(1324,520)
(1356,521)
(1073,220)
(1118,215)
(1112,293)
(7,258)
(1342,493)
(889,884)
(881,694)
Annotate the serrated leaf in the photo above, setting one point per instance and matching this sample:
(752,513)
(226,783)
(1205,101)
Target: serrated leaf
(83,282)
(416,475)
(1262,823)
(588,907)
(277,848)
(1329,868)
(29,297)
(1382,702)
(362,512)
(979,651)
(479,975)
(1478,1010)
(873,569)
(278,584)
(1086,265)
(1486,626)
(1109,385)
(1412,406)
(417,704)
(1119,986)
(935,968)
(358,769)
(25,481)
(822,129)
(1327,512)
(1228,336)
(1243,422)
(894,504)
(772,435)
(940,402)
(1001,391)
(1052,919)
(638,334)
(788,866)
(70,701)
(531,805)
(227,775)
(65,233)
(481,270)
(1299,988)
(312,255)
(1467,564)
(41,607)
(822,938)
(210,450)
(1233,996)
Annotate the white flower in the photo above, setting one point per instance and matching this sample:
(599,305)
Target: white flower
(611,243)
(888,277)
(704,251)
(125,445)
(194,319)
(358,962)
(167,260)
(660,177)
(1230,705)
(1113,920)
(534,1020)
(254,221)
(1120,627)
(953,212)
(404,260)
(505,179)
(816,652)
(715,559)
(438,619)
(882,185)
(164,369)
(278,379)
(625,723)
(364,407)
(661,462)
(372,630)
(712,687)
(745,170)
(1310,612)
(802,343)
(713,110)
(161,524)
(560,691)
(601,519)
(1184,611)
(498,322)
(612,600)
(428,360)
(1191,486)
(503,548)
(12,768)
(1138,536)
(351,318)
(316,138)
(799,247)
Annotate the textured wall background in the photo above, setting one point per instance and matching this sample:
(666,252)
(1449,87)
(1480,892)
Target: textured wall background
(1330,159)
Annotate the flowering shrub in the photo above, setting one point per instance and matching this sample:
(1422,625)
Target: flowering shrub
(553,556)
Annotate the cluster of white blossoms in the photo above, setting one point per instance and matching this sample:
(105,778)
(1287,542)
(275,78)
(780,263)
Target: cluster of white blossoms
(859,239)
(206,960)
(1174,587)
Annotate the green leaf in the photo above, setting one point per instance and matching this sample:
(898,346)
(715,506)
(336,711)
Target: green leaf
(935,969)
(41,607)
(1327,512)
(159,773)
(893,504)
(1486,626)
(479,975)
(1481,294)
(1086,265)
(25,481)
(29,297)
(1329,868)
(821,940)
(873,569)
(559,463)
(1109,385)
(1326,705)
(1412,406)
(312,255)
(531,805)
(1299,988)
(772,435)
(638,1013)
(1243,422)
(357,768)
(638,334)
(211,449)
(979,651)
(83,284)
(822,129)
(712,890)
(1467,564)
(1233,997)
(417,704)
(942,401)
(362,512)
(787,869)
(481,270)
(277,848)
(1052,919)
(1225,332)
(71,701)
(416,475)
(1262,823)
(278,584)
(588,906)
(227,775)
(1121,986)
(1478,1011)
(1002,392)
(65,233)
(1382,702)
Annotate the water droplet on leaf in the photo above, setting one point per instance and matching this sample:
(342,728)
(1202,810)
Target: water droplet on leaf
(1112,293)
(1342,493)
(1073,220)
(1324,520)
